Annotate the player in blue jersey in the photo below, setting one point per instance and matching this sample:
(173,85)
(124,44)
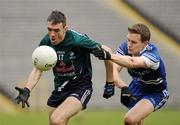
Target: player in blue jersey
(147,91)
(72,73)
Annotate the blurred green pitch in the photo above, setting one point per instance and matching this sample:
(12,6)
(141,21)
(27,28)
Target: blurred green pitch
(91,117)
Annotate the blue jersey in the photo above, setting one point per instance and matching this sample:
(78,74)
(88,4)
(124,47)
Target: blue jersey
(146,80)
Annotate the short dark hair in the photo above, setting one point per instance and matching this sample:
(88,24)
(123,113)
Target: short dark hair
(57,17)
(141,29)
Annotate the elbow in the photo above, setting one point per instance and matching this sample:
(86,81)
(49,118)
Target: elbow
(131,63)
(131,66)
(127,65)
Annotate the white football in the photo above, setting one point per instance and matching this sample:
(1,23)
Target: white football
(44,58)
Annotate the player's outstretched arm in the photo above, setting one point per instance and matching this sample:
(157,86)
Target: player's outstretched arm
(33,78)
(24,93)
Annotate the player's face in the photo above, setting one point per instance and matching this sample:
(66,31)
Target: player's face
(135,44)
(56,32)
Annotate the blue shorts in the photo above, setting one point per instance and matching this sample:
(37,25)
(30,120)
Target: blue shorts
(158,99)
(82,90)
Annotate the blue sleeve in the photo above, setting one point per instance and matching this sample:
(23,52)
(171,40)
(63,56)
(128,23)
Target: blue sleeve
(151,53)
(154,57)
(122,49)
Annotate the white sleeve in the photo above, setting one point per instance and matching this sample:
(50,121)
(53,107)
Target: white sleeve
(150,63)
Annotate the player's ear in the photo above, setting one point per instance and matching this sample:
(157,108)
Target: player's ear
(65,28)
(145,43)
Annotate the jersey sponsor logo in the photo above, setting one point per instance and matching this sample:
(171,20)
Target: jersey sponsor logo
(137,72)
(65,66)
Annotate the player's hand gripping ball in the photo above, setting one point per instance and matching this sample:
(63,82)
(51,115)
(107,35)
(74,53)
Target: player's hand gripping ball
(44,58)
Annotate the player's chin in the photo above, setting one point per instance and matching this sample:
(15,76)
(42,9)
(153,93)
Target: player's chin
(130,52)
(54,42)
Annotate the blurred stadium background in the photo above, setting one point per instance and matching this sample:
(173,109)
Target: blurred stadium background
(23,24)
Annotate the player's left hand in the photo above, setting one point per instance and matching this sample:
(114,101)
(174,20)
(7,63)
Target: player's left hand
(126,96)
(108,90)
(102,54)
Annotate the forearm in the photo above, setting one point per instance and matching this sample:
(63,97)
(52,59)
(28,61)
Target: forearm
(109,70)
(119,82)
(108,66)
(33,78)
(117,79)
(125,61)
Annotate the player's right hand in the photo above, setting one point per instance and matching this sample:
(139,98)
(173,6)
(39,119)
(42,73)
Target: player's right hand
(108,90)
(23,96)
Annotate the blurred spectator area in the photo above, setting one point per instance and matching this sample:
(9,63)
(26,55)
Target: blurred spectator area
(6,101)
(164,14)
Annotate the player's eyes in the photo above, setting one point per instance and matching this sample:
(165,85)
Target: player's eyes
(132,41)
(49,29)
(55,30)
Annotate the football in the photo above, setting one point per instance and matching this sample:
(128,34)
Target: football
(44,58)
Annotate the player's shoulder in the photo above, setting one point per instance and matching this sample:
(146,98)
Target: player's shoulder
(150,51)
(76,33)
(151,48)
(122,48)
(76,37)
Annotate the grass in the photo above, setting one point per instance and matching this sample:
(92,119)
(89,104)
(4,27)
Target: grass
(91,117)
